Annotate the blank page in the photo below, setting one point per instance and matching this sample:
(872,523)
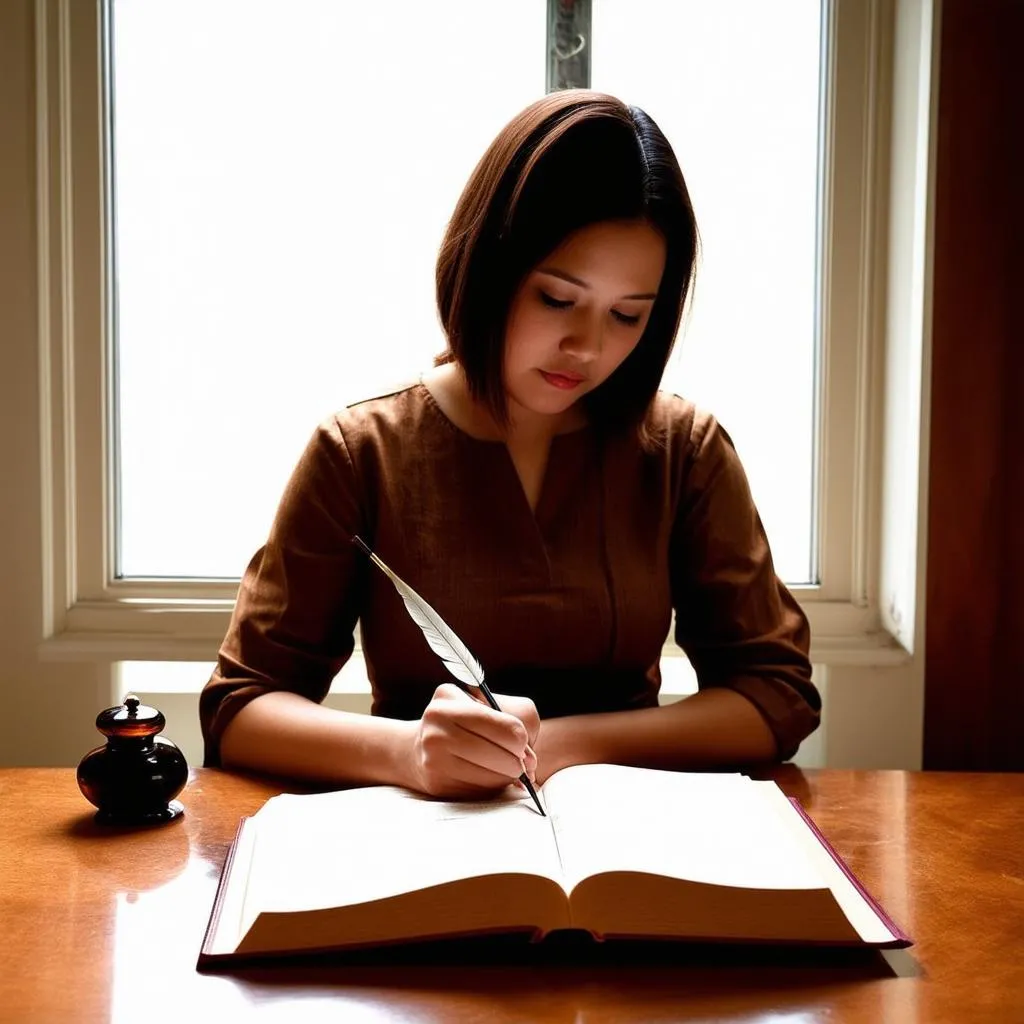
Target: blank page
(353,846)
(703,827)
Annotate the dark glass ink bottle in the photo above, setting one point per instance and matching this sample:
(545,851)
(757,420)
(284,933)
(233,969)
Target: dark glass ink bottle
(134,778)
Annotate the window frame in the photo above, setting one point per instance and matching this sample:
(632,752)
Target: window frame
(91,615)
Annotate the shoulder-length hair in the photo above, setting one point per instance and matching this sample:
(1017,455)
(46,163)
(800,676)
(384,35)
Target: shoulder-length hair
(571,159)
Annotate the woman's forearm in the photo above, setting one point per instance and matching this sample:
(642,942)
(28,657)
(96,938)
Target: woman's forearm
(713,728)
(283,733)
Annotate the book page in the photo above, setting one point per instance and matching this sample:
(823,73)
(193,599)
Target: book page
(227,918)
(858,911)
(342,848)
(702,827)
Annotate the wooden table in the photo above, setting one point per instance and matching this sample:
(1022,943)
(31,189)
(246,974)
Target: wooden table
(100,925)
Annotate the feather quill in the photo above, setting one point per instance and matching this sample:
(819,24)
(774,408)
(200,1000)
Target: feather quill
(443,641)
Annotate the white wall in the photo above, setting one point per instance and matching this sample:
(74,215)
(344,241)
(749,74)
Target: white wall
(47,709)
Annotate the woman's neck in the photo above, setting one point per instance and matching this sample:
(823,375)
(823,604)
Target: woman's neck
(526,429)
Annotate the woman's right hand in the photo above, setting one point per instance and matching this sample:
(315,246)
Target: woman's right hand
(462,748)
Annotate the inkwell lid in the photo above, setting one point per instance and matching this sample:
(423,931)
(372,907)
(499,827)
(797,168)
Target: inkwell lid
(132,719)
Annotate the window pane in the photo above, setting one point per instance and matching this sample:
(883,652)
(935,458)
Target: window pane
(734,85)
(272,261)
(271,267)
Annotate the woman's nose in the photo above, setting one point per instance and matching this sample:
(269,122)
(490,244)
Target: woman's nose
(584,339)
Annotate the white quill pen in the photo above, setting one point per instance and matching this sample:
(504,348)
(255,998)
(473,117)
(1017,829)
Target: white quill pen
(443,641)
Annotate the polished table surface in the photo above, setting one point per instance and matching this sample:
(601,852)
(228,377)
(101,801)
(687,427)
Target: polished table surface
(99,924)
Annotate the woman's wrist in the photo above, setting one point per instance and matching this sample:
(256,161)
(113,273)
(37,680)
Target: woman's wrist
(557,747)
(401,768)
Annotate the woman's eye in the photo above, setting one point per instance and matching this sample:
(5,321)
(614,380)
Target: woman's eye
(550,300)
(625,318)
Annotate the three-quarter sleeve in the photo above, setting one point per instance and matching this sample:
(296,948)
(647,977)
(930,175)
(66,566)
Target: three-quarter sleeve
(737,622)
(298,602)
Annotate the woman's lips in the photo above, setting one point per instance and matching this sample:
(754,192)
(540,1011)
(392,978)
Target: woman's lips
(566,382)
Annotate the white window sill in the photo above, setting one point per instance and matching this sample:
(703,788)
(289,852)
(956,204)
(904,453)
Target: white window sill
(119,629)
(678,677)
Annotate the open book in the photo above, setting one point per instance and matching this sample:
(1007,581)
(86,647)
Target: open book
(623,852)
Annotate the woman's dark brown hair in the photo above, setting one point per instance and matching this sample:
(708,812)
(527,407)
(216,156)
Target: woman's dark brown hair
(571,159)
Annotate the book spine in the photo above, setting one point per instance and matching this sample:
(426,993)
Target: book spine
(218,900)
(895,930)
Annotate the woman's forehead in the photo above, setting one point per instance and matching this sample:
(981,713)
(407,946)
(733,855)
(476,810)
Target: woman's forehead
(631,251)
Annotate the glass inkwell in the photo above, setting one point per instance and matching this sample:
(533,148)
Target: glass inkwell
(134,777)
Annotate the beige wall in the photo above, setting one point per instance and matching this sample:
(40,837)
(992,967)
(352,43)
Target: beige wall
(47,709)
(872,715)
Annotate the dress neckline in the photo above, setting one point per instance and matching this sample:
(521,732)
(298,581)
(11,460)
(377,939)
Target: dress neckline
(453,427)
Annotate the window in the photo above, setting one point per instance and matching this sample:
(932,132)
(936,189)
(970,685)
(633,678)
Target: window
(225,299)
(272,262)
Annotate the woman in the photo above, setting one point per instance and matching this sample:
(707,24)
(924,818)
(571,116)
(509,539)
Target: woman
(541,493)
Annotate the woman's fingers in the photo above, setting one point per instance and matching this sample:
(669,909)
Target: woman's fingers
(463,744)
(519,707)
(530,763)
(484,750)
(451,708)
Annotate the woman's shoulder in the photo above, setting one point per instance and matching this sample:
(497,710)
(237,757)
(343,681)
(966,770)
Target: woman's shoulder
(681,426)
(398,413)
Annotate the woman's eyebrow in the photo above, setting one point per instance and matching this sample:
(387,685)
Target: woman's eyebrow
(555,272)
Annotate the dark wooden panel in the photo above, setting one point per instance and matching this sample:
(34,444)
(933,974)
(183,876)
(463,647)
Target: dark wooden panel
(974,667)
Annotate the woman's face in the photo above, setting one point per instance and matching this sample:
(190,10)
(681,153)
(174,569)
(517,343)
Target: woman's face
(579,314)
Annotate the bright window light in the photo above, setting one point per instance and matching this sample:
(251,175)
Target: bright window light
(282,177)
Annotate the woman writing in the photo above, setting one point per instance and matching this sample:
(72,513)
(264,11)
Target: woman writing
(542,494)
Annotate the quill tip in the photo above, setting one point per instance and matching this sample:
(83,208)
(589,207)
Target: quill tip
(360,543)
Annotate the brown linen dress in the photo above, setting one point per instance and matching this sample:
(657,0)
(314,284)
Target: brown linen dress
(568,603)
